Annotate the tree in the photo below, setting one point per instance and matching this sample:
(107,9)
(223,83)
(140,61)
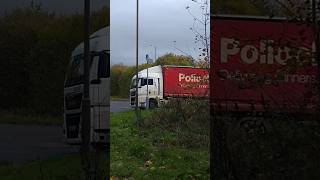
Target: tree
(172,59)
(35,50)
(121,80)
(200,28)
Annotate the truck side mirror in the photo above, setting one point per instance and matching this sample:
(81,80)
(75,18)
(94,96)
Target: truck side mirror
(95,81)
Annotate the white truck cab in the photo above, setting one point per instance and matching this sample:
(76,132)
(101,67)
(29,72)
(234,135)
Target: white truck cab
(99,90)
(149,80)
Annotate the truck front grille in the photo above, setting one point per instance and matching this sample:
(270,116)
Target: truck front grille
(73,101)
(72,125)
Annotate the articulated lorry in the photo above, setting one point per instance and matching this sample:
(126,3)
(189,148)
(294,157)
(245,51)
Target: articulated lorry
(99,90)
(159,83)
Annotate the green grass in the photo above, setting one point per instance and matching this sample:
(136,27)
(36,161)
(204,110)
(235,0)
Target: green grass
(118,98)
(67,167)
(136,153)
(149,154)
(16,118)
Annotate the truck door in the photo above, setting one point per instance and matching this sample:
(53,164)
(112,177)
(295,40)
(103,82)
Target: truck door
(156,85)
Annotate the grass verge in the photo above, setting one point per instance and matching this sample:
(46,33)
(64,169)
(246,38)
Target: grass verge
(140,153)
(67,167)
(16,118)
(118,98)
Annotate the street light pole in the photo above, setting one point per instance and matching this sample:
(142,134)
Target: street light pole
(155,53)
(137,63)
(85,122)
(147,100)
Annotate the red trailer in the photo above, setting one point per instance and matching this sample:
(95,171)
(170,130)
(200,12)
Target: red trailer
(260,64)
(185,82)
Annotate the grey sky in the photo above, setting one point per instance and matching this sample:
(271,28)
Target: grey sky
(161,23)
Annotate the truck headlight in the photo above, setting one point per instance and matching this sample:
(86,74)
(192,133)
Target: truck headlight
(143,104)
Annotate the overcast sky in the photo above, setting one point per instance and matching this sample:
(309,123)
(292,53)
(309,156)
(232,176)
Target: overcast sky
(161,23)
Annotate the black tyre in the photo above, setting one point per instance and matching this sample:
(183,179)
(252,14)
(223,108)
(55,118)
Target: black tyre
(153,104)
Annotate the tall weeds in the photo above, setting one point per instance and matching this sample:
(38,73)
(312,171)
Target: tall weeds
(187,120)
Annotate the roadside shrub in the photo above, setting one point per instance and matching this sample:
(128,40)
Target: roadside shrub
(287,149)
(185,119)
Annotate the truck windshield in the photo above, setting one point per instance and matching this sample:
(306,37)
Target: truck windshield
(76,71)
(144,82)
(133,83)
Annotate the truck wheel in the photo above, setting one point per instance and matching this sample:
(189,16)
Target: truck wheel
(153,104)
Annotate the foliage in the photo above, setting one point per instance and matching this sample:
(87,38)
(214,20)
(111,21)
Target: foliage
(283,147)
(35,50)
(172,59)
(120,80)
(200,28)
(146,152)
(187,120)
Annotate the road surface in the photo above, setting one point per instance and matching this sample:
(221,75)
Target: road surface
(20,143)
(120,106)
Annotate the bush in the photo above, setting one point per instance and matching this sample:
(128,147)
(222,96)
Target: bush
(186,122)
(288,148)
(35,50)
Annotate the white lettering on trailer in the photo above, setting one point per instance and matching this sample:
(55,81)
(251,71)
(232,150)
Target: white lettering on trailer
(181,76)
(193,78)
(237,75)
(249,54)
(228,47)
(264,54)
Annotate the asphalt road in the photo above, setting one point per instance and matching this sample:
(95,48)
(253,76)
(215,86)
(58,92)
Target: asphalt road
(20,143)
(120,106)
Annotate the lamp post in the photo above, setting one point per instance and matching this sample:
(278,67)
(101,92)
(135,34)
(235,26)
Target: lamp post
(147,59)
(147,98)
(85,122)
(155,52)
(137,63)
